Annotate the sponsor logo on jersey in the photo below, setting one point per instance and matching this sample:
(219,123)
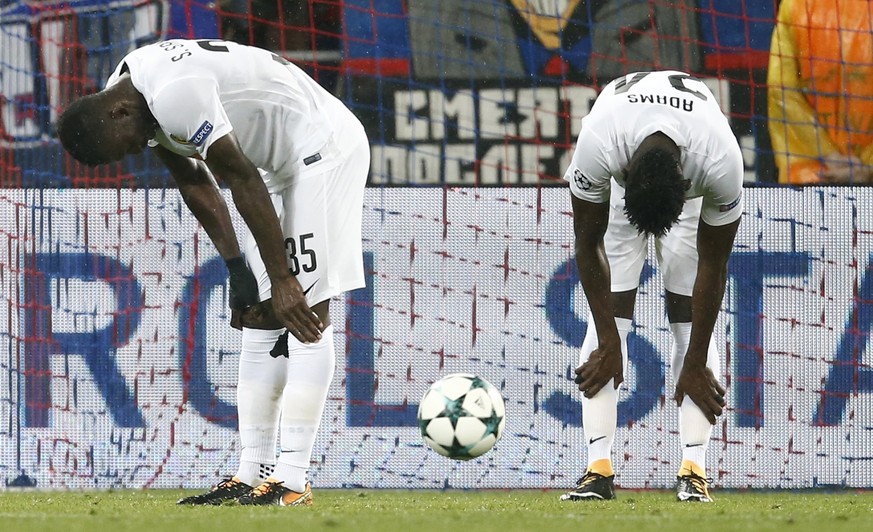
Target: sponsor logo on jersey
(731,205)
(180,140)
(201,134)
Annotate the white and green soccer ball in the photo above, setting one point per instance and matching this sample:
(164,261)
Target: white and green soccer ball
(461,416)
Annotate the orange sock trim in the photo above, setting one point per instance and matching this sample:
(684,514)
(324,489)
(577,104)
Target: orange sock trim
(602,467)
(690,468)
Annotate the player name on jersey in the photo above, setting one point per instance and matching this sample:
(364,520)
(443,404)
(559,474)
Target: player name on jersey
(675,102)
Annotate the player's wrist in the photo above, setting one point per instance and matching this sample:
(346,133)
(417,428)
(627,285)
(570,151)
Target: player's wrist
(280,276)
(694,363)
(610,344)
(236,265)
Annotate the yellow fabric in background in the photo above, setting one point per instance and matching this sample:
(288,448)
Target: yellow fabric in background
(820,79)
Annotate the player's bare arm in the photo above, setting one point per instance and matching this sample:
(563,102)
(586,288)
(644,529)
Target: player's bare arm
(227,162)
(203,197)
(714,244)
(589,225)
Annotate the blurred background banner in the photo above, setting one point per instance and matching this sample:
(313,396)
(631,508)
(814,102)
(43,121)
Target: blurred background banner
(515,59)
(118,368)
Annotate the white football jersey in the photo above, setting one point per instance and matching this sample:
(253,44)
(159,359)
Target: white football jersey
(200,90)
(678,105)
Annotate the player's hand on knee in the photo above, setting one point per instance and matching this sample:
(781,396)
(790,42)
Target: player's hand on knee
(602,366)
(243,285)
(700,384)
(289,303)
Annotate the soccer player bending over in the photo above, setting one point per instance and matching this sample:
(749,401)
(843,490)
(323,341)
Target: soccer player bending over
(677,175)
(296,161)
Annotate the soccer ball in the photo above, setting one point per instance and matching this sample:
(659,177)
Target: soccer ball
(461,416)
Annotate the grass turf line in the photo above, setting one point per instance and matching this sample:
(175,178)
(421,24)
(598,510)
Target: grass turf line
(425,510)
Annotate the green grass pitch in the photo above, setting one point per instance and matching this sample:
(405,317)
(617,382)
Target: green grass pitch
(420,510)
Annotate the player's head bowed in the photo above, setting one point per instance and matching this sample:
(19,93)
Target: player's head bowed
(83,132)
(654,191)
(104,127)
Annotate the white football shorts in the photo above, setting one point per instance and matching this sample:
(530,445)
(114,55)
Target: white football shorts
(626,249)
(320,215)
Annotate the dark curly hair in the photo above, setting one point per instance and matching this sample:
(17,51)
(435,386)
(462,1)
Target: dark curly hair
(654,192)
(81,129)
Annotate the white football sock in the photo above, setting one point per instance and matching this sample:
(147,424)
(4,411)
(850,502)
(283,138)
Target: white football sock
(694,429)
(600,413)
(310,371)
(258,394)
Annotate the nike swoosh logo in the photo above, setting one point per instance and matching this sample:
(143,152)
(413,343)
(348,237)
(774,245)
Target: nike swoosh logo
(592,440)
(306,292)
(687,445)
